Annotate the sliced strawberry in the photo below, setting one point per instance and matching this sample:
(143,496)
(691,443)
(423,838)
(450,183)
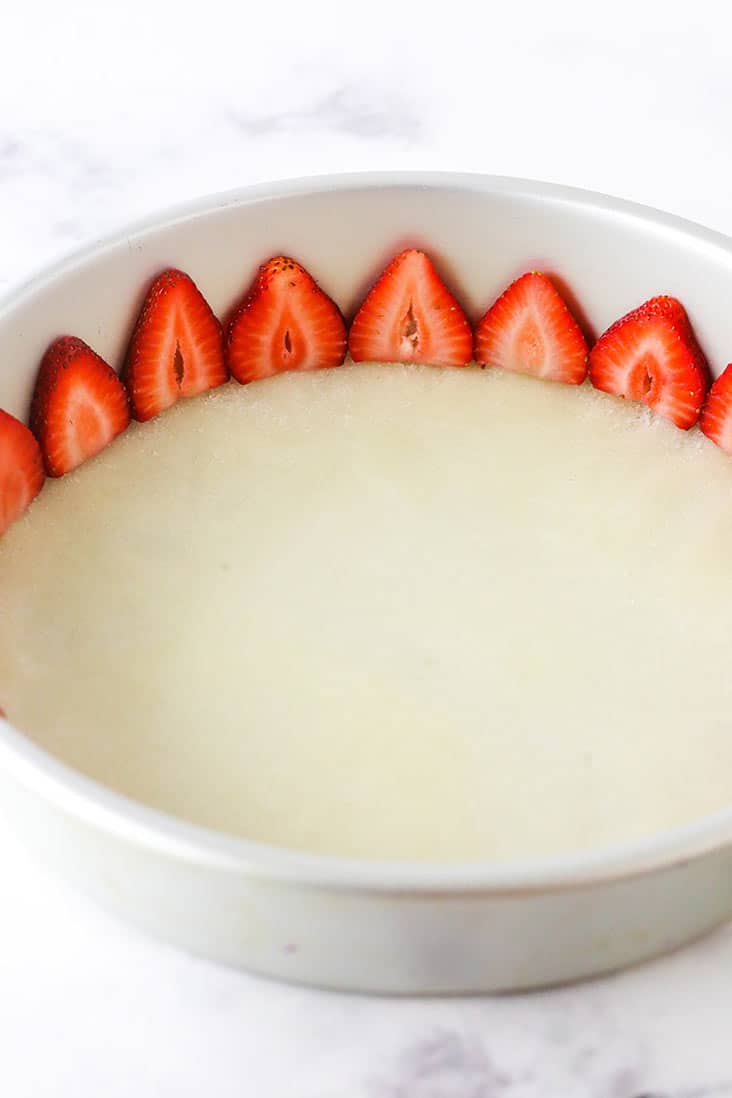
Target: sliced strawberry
(177,347)
(79,405)
(21,469)
(530,330)
(716,415)
(652,355)
(409,315)
(285,322)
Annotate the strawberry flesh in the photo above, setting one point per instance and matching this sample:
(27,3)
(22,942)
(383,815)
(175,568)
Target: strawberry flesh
(21,469)
(651,355)
(716,415)
(79,405)
(177,347)
(285,322)
(409,315)
(530,330)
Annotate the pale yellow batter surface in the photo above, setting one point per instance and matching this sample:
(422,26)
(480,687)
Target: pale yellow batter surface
(387,612)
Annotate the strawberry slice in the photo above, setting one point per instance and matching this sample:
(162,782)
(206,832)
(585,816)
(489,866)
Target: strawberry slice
(530,330)
(285,322)
(177,347)
(79,405)
(409,315)
(716,415)
(652,355)
(21,469)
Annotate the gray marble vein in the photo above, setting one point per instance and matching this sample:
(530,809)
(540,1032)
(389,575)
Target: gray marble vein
(370,113)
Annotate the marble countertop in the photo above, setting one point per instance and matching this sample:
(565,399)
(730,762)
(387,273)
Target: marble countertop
(109,112)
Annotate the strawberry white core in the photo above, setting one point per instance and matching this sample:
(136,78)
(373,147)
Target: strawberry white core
(390,612)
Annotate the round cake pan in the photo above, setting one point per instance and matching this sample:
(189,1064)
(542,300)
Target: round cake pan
(372,926)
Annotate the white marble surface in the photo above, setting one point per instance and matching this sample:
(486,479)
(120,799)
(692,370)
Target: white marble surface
(109,112)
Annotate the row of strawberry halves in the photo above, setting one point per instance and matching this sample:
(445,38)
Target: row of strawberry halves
(286,322)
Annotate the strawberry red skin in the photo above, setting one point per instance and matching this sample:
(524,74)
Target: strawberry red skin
(530,330)
(716,415)
(651,355)
(79,405)
(21,469)
(409,315)
(177,347)
(285,322)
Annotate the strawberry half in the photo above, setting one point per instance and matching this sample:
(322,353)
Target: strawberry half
(79,405)
(716,415)
(409,315)
(652,355)
(530,330)
(285,322)
(177,347)
(21,469)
